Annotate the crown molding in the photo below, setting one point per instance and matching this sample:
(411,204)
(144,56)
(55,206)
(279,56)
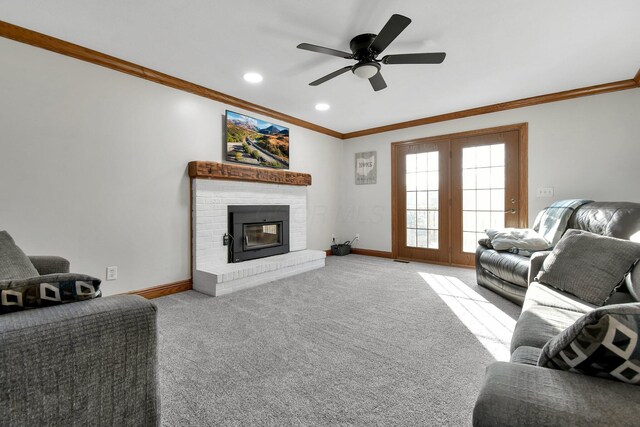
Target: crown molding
(33,38)
(510,105)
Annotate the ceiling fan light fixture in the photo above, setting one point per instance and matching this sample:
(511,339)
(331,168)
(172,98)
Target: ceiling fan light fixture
(366,70)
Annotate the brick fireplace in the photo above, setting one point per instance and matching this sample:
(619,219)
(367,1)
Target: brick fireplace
(220,190)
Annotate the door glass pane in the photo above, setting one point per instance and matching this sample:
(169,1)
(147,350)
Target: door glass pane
(483,183)
(483,178)
(422,219)
(411,219)
(483,220)
(432,220)
(434,164)
(432,238)
(411,237)
(422,239)
(422,200)
(469,158)
(469,221)
(411,182)
(411,199)
(497,200)
(483,200)
(483,156)
(422,162)
(411,163)
(469,200)
(422,182)
(422,205)
(469,179)
(433,181)
(433,200)
(469,242)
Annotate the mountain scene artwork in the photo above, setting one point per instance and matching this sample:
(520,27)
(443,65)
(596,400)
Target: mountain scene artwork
(256,142)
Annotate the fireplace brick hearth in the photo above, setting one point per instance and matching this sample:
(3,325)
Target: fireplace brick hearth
(211,197)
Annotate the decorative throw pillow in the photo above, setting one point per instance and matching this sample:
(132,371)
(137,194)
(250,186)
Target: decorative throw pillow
(588,265)
(602,343)
(517,238)
(47,290)
(14,264)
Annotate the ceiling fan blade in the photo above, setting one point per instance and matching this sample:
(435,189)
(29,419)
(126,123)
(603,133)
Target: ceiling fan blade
(415,58)
(325,50)
(377,82)
(394,26)
(330,76)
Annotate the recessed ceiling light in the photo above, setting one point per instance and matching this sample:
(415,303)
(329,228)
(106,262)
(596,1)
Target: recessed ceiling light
(253,77)
(322,107)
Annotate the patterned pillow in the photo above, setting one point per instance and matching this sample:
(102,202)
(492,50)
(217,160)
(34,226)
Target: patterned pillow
(602,343)
(588,265)
(47,290)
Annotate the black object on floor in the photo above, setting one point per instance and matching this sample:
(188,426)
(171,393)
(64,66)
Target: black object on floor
(341,249)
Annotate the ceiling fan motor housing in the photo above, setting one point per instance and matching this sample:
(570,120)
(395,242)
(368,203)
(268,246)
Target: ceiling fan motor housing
(360,47)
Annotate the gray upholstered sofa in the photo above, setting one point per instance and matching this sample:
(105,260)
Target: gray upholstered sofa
(519,393)
(83,363)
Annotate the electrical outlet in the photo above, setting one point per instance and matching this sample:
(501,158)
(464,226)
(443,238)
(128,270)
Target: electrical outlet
(333,237)
(112,273)
(544,192)
(357,236)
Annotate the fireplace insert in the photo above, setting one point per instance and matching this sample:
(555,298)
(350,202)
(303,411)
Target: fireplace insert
(258,231)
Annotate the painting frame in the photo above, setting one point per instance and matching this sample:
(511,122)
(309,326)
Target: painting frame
(366,168)
(255,142)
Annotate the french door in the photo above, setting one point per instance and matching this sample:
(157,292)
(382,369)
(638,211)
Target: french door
(447,190)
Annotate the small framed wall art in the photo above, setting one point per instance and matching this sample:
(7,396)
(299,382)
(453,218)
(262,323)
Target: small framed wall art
(366,168)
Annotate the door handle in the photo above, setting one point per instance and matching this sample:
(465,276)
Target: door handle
(510,211)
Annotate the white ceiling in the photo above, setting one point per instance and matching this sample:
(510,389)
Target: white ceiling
(497,50)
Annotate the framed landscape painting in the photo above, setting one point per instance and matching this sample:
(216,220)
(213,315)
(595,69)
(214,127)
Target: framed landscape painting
(255,142)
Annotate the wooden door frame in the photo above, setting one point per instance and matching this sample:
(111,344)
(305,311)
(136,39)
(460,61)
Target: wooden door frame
(523,155)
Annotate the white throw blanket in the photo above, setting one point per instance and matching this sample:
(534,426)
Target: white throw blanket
(517,238)
(548,228)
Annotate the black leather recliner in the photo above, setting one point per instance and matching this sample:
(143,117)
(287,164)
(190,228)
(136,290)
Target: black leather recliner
(507,274)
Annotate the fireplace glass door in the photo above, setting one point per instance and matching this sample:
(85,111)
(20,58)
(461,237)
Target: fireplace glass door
(258,236)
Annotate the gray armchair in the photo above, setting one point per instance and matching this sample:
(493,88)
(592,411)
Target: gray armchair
(50,264)
(84,363)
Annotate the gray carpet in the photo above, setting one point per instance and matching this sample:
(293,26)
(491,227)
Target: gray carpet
(363,341)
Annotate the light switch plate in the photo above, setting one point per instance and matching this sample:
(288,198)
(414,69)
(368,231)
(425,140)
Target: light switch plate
(544,192)
(112,273)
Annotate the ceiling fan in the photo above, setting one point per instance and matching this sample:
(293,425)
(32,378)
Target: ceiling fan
(365,49)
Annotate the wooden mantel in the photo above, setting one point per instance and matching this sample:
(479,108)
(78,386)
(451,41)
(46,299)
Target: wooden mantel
(215,170)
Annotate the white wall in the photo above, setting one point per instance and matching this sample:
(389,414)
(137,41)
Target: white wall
(93,164)
(93,167)
(583,148)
